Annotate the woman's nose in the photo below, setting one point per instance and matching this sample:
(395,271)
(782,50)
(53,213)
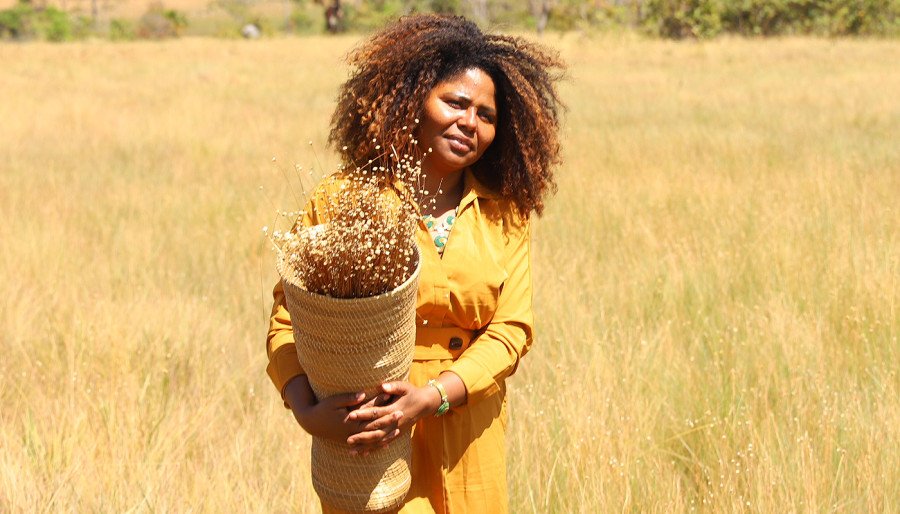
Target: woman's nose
(468,118)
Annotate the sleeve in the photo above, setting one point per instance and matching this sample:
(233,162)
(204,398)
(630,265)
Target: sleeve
(283,363)
(495,353)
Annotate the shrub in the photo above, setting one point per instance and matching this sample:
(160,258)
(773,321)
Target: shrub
(302,20)
(121,30)
(160,23)
(12,24)
(53,25)
(568,15)
(24,21)
(679,19)
(445,6)
(707,18)
(368,16)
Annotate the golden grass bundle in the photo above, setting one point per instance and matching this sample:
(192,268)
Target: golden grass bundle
(365,248)
(350,284)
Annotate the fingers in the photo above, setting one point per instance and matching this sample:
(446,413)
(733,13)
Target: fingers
(396,388)
(371,414)
(389,420)
(372,438)
(383,399)
(390,437)
(375,431)
(378,400)
(379,425)
(367,442)
(344,400)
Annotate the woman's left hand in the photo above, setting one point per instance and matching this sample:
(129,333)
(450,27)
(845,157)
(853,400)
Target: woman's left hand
(384,423)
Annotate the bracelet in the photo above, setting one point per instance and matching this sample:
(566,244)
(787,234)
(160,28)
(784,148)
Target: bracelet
(445,403)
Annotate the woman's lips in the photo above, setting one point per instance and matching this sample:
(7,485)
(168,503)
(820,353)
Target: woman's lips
(460,144)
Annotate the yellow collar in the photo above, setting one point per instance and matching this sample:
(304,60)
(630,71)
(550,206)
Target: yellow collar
(474,188)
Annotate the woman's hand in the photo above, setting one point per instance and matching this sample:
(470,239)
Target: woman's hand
(327,418)
(382,424)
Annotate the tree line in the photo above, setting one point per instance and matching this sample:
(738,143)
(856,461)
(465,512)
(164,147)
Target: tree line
(676,19)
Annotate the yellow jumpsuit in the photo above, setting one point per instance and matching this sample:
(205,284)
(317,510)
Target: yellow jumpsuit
(474,318)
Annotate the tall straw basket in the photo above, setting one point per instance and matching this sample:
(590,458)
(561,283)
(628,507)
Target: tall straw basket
(349,345)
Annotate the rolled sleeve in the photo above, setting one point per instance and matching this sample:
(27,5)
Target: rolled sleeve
(280,347)
(495,353)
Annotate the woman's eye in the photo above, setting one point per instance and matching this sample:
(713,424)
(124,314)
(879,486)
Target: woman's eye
(454,103)
(488,118)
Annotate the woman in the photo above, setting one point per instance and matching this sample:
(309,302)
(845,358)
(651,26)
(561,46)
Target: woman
(484,112)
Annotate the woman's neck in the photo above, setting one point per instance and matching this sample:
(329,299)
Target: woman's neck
(444,192)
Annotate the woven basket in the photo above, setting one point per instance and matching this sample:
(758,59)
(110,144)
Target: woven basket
(351,345)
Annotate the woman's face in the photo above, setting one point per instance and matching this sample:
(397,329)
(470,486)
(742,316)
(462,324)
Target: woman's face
(460,120)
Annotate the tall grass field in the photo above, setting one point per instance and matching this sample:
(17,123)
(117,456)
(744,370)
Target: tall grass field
(717,280)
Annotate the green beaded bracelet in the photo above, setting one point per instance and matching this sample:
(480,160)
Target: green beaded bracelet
(445,403)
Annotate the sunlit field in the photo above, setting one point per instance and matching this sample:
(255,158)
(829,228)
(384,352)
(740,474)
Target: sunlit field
(716,281)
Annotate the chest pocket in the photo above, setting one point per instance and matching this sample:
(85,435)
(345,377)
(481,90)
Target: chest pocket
(473,261)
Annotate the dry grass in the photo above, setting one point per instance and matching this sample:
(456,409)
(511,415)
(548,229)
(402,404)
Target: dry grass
(362,245)
(716,281)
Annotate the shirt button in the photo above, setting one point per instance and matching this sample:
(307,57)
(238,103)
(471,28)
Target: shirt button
(424,321)
(455,343)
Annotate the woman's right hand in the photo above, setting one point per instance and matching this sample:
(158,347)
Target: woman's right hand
(327,418)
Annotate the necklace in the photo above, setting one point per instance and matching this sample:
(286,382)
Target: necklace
(439,228)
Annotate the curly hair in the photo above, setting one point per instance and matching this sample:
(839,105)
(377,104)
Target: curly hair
(393,72)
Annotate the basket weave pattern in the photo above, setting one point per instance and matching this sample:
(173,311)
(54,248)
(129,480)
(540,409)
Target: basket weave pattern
(349,345)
